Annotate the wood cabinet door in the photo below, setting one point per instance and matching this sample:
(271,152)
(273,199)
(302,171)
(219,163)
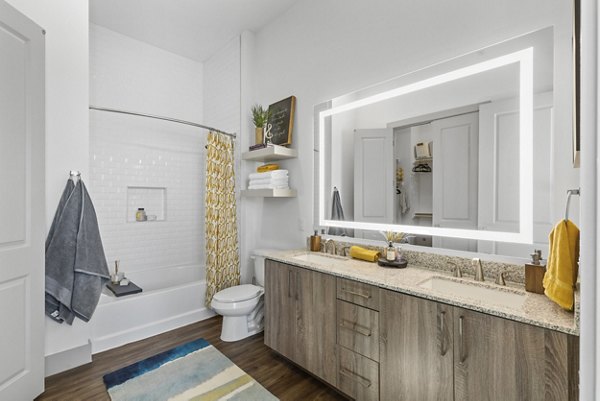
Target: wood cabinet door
(280,313)
(315,295)
(503,360)
(416,358)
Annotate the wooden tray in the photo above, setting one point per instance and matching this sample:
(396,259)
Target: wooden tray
(398,265)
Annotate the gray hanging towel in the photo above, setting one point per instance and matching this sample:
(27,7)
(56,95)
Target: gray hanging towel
(76,268)
(337,213)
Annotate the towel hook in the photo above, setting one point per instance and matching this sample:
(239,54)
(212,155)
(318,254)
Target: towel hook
(569,193)
(74,175)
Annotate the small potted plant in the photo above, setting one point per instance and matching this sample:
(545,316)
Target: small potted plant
(260,116)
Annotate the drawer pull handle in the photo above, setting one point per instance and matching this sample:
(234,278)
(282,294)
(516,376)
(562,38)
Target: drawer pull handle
(461,342)
(348,325)
(357,378)
(443,349)
(358,294)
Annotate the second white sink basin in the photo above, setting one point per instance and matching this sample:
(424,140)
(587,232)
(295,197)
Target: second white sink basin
(319,258)
(498,297)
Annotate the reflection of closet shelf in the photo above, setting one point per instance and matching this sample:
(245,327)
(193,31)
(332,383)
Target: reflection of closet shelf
(270,153)
(423,216)
(423,161)
(269,193)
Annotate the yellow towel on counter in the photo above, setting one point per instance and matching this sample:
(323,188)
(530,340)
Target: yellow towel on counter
(561,272)
(364,254)
(267,167)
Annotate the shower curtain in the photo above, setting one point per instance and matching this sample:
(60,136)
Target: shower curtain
(222,256)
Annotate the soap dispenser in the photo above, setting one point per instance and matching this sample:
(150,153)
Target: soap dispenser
(315,242)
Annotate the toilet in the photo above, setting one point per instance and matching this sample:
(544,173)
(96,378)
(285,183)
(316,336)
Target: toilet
(242,305)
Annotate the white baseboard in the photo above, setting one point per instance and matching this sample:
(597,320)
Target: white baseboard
(68,359)
(117,339)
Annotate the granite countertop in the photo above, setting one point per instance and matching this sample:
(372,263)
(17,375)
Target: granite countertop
(536,309)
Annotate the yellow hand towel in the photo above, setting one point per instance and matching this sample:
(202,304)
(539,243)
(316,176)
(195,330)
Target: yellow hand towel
(561,272)
(364,254)
(267,167)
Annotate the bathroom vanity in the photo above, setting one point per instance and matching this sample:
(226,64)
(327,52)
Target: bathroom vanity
(377,333)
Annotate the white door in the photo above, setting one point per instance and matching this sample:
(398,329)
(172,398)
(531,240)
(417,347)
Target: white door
(455,171)
(374,187)
(499,158)
(22,219)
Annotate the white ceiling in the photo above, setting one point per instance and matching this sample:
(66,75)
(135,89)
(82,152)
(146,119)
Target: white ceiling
(195,29)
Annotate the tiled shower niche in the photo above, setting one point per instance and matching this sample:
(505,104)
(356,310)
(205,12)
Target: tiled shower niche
(152,199)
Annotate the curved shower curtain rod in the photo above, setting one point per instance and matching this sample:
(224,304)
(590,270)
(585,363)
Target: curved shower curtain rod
(174,120)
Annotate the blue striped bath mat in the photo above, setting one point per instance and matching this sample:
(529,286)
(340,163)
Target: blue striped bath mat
(192,371)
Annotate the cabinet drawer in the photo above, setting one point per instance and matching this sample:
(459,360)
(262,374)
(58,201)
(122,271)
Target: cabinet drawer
(358,376)
(358,293)
(358,329)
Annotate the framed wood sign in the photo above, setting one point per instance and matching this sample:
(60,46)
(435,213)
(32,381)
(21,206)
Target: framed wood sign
(282,121)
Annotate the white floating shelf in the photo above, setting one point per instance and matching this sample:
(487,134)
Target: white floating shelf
(269,193)
(270,153)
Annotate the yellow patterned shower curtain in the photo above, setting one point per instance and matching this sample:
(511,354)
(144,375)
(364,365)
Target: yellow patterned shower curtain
(222,256)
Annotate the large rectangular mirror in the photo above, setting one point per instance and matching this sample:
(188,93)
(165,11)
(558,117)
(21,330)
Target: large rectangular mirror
(465,154)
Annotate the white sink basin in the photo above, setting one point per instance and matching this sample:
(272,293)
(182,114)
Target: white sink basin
(319,258)
(499,297)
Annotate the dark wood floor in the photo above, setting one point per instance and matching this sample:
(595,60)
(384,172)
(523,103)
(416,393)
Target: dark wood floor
(277,375)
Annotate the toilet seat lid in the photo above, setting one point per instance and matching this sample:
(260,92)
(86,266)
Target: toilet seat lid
(238,293)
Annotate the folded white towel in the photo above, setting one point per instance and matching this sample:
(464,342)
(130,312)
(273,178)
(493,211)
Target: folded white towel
(268,186)
(269,174)
(269,181)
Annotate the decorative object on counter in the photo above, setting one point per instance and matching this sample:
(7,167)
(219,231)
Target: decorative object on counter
(399,264)
(315,242)
(76,268)
(358,252)
(260,116)
(140,215)
(561,273)
(276,179)
(267,167)
(392,236)
(281,119)
(195,370)
(390,254)
(337,213)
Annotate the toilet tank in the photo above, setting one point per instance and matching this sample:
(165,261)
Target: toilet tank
(259,268)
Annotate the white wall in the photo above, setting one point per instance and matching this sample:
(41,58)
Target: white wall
(128,151)
(67,75)
(222,100)
(319,50)
(67,138)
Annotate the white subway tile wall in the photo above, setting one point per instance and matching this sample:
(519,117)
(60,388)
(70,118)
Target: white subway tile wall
(128,151)
(149,157)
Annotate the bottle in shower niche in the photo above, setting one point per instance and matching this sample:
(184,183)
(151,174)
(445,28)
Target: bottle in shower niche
(140,215)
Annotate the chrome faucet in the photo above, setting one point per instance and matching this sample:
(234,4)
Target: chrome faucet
(500,279)
(476,263)
(456,271)
(327,242)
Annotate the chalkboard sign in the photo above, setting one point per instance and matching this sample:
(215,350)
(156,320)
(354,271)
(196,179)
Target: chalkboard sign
(282,121)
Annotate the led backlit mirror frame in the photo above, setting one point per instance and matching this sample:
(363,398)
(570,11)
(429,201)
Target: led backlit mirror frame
(524,59)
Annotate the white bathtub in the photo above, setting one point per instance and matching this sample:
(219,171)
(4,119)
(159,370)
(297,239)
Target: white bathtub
(172,297)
